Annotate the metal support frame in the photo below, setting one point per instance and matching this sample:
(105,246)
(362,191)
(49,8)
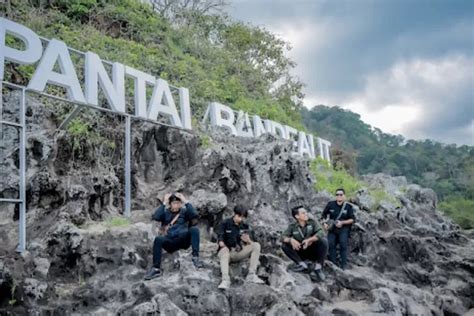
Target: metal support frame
(128,175)
(22,221)
(21,126)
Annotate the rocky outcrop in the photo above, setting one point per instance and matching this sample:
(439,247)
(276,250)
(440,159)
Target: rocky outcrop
(405,259)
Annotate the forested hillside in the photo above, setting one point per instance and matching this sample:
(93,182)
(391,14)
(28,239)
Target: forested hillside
(361,148)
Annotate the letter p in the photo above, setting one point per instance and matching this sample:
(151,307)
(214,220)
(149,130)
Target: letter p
(33,48)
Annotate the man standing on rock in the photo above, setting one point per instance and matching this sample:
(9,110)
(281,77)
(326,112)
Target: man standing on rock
(235,244)
(338,216)
(179,231)
(304,240)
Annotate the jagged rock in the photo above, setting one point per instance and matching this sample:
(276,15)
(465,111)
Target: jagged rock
(321,294)
(145,309)
(422,195)
(387,302)
(167,307)
(42,267)
(284,309)
(406,258)
(208,201)
(34,288)
(364,200)
(392,185)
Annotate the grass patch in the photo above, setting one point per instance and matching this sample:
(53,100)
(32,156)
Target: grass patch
(206,141)
(117,222)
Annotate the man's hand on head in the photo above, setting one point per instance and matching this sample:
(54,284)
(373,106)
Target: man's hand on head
(166,199)
(181,197)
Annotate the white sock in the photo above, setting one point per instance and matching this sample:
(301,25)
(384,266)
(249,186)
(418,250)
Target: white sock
(317,266)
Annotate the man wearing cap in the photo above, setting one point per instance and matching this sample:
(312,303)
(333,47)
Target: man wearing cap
(304,240)
(235,245)
(179,231)
(339,217)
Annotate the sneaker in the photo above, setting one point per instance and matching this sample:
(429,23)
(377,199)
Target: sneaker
(225,284)
(153,273)
(197,263)
(317,275)
(253,278)
(301,267)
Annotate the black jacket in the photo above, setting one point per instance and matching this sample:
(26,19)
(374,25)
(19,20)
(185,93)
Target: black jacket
(230,233)
(187,215)
(332,210)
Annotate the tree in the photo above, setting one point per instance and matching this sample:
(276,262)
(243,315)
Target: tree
(180,10)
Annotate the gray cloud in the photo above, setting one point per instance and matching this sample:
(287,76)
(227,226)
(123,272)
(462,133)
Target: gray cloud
(341,46)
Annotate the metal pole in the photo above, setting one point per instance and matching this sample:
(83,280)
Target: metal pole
(22,220)
(70,116)
(1,111)
(127,149)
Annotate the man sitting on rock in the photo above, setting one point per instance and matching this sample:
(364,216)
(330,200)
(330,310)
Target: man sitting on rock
(235,245)
(179,231)
(339,217)
(304,243)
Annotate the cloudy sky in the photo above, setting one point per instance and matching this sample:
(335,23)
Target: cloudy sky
(407,67)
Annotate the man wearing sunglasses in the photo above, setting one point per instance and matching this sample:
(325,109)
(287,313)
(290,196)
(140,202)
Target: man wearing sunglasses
(339,217)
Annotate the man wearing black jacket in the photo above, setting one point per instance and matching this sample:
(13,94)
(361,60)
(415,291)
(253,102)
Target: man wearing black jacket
(235,245)
(178,231)
(339,217)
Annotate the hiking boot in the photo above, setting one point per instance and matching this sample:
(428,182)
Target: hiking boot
(253,278)
(317,275)
(225,284)
(153,273)
(197,263)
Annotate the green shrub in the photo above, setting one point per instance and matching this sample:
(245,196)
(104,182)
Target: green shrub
(461,210)
(206,141)
(330,179)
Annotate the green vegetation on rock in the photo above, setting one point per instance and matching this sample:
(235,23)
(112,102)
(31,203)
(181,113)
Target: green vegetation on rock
(461,210)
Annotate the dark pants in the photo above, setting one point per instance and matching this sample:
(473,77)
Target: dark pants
(339,237)
(316,252)
(191,238)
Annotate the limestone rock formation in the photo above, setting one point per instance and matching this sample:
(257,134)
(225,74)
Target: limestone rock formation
(405,258)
